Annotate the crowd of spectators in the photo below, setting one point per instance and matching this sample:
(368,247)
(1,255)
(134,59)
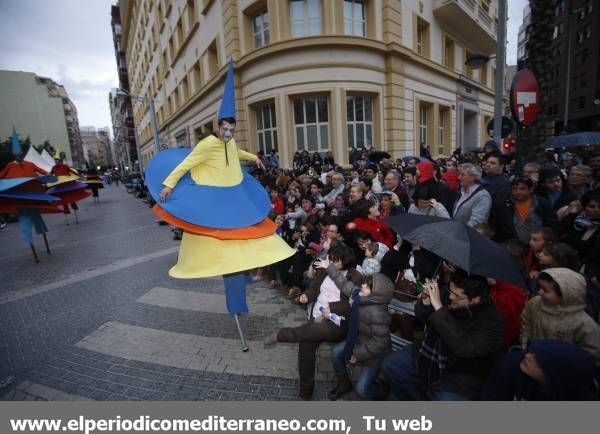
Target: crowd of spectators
(472,337)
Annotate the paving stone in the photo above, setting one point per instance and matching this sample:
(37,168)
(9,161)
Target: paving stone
(49,337)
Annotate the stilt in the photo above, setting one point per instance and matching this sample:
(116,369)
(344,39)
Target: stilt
(46,242)
(76,218)
(35,256)
(237,323)
(66,219)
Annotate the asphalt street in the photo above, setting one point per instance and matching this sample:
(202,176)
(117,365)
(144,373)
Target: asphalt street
(99,318)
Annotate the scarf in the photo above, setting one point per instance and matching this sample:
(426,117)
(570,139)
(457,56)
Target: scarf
(584,223)
(432,360)
(354,321)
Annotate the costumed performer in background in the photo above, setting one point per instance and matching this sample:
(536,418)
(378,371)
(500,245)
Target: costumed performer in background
(25,197)
(222,210)
(68,186)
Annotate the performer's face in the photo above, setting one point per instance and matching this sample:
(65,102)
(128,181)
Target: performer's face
(226,131)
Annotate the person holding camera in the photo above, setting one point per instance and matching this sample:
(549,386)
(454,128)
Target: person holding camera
(324,298)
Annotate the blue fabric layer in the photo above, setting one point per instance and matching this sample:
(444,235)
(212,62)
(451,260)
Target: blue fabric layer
(235,207)
(7,184)
(29,196)
(29,217)
(235,292)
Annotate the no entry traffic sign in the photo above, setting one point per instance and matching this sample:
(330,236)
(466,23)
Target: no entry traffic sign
(524,97)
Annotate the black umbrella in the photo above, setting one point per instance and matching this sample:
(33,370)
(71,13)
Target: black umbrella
(377,156)
(459,244)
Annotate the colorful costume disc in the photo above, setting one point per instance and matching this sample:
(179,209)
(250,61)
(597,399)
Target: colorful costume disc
(234,207)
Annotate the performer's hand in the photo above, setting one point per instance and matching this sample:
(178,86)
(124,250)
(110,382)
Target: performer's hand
(352,359)
(325,312)
(260,164)
(165,193)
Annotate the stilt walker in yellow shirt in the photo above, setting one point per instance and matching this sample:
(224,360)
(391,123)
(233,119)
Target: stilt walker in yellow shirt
(221,209)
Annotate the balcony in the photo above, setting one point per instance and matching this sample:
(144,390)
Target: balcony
(468,21)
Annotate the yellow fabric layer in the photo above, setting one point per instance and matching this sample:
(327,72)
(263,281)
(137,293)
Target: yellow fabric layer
(62,180)
(207,164)
(202,256)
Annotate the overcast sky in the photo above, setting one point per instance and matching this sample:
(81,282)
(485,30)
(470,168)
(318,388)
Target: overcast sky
(70,41)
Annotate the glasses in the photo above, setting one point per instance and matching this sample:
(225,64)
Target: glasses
(457,296)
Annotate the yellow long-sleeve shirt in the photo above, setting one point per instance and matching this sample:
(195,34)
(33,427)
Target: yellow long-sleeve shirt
(208,165)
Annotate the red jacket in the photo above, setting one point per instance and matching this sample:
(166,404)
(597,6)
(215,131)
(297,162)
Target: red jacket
(379,231)
(25,169)
(510,301)
(62,170)
(278,205)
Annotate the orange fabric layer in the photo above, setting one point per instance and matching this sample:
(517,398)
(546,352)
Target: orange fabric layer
(265,228)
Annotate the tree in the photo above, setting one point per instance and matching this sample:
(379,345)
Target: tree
(540,61)
(47,146)
(6,155)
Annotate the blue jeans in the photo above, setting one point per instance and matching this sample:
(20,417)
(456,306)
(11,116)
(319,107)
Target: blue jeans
(398,368)
(367,386)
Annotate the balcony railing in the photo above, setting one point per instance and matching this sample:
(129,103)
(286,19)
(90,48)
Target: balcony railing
(485,17)
(468,20)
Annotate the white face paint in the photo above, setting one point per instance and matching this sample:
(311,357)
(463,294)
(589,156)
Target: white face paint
(226,131)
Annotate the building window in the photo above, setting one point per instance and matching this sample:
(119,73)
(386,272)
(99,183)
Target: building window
(354,18)
(423,124)
(266,127)
(311,123)
(468,69)
(197,75)
(213,59)
(422,37)
(581,103)
(448,53)
(360,121)
(181,139)
(260,29)
(483,74)
(306,17)
(442,131)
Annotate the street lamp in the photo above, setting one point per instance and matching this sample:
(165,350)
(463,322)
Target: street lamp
(477,60)
(150,101)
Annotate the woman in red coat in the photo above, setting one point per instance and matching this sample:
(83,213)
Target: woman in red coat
(367,221)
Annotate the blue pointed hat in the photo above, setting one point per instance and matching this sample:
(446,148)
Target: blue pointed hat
(16,144)
(227,109)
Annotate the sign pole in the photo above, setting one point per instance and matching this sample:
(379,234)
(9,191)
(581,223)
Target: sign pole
(524,100)
(519,168)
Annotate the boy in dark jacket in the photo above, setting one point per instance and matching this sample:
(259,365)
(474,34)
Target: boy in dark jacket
(548,370)
(368,338)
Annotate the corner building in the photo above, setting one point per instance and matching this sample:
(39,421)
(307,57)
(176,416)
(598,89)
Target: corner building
(320,75)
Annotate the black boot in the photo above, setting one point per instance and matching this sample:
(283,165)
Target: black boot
(343,386)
